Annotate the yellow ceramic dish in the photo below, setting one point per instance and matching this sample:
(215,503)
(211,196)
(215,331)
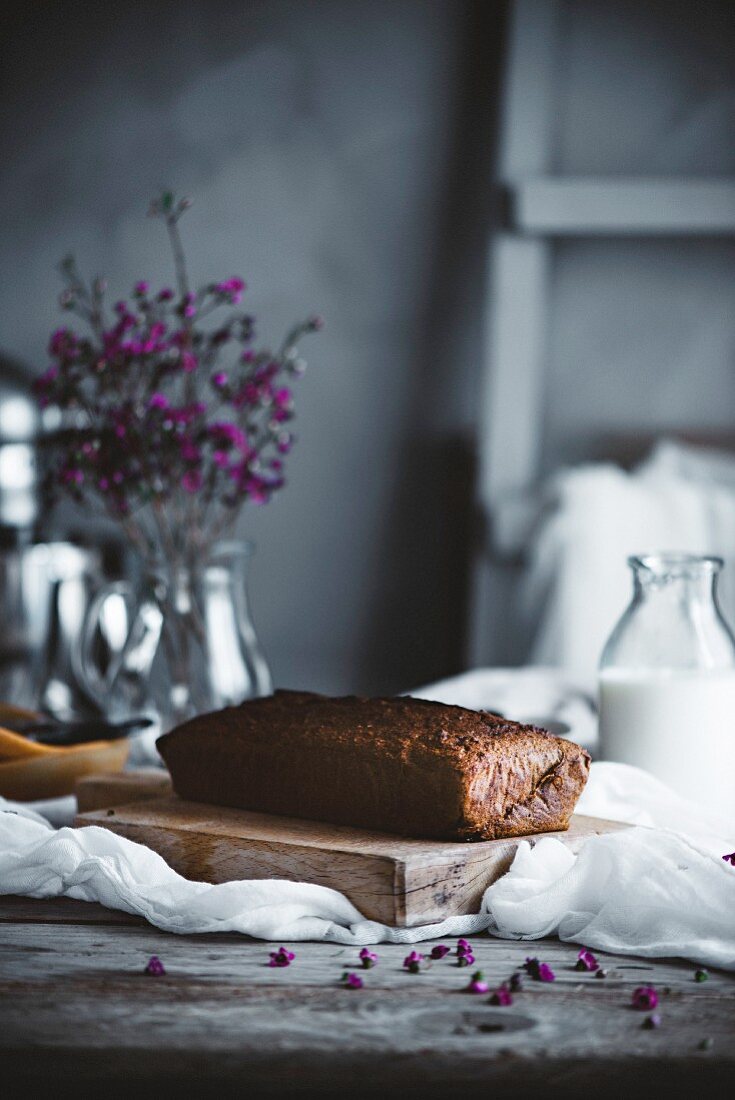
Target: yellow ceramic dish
(29,771)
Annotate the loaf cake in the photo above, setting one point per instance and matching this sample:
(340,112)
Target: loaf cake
(399,765)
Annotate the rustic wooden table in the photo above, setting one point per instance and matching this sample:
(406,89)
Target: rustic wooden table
(77,1015)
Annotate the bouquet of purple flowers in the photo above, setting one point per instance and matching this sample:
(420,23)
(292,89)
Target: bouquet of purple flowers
(171,417)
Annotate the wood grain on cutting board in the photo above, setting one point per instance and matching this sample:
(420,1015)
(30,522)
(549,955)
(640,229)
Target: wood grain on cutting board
(395,880)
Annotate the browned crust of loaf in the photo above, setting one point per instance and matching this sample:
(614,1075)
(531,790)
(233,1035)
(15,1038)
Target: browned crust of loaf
(401,765)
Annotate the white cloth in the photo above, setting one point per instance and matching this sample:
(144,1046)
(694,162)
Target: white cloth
(544,697)
(577,583)
(642,891)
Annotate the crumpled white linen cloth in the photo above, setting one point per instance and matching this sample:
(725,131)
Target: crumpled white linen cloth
(577,584)
(641,891)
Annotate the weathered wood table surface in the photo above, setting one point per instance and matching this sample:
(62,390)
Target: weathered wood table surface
(79,1017)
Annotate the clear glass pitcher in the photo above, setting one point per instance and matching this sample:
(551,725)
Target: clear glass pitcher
(45,590)
(191,646)
(667,680)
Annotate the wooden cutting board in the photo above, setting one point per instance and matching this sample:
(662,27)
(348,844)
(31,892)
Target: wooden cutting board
(392,879)
(97,792)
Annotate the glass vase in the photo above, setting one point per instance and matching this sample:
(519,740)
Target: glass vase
(191,645)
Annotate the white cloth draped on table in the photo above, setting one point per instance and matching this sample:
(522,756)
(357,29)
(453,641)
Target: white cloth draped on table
(643,891)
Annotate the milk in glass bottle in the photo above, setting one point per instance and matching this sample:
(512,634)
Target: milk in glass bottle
(667,681)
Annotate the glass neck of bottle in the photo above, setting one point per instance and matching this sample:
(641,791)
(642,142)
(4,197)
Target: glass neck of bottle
(689,578)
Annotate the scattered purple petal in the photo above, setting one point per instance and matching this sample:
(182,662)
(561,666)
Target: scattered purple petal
(586,961)
(502,996)
(730,858)
(281,957)
(352,980)
(154,967)
(439,951)
(412,963)
(368,958)
(478,984)
(540,972)
(644,998)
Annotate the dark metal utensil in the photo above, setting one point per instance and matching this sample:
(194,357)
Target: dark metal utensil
(76,733)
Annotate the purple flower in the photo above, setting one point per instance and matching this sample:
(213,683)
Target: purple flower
(231,289)
(154,342)
(149,446)
(192,481)
(540,972)
(189,450)
(44,380)
(154,967)
(368,958)
(477,983)
(644,998)
(730,858)
(352,980)
(63,343)
(502,996)
(281,957)
(230,433)
(466,960)
(412,962)
(464,947)
(586,961)
(72,476)
(439,951)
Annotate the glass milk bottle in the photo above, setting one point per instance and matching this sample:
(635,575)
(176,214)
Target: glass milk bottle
(667,681)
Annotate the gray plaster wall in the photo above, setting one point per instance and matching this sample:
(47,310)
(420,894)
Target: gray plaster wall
(318,139)
(642,331)
(340,154)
